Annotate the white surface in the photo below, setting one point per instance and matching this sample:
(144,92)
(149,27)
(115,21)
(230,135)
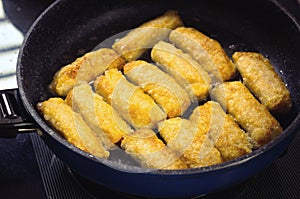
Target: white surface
(8,82)
(10,36)
(10,42)
(8,61)
(2,15)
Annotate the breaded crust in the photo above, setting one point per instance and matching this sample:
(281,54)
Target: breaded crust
(140,39)
(71,126)
(133,105)
(222,130)
(159,85)
(251,115)
(184,137)
(208,52)
(150,151)
(99,115)
(186,71)
(85,68)
(261,79)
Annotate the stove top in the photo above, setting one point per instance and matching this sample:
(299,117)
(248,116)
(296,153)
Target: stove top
(28,168)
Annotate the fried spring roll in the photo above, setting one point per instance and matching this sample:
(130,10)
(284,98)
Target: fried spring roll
(71,126)
(184,137)
(187,72)
(261,79)
(85,68)
(136,107)
(150,151)
(160,86)
(222,130)
(208,52)
(251,115)
(140,39)
(99,115)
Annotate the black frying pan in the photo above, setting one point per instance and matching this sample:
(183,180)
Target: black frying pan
(70,28)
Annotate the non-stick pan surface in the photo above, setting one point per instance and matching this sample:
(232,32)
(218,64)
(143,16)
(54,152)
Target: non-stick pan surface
(70,28)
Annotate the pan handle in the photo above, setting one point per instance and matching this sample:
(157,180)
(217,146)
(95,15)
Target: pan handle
(13,116)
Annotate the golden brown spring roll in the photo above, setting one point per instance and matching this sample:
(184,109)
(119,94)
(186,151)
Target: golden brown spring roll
(150,151)
(136,107)
(187,72)
(208,52)
(160,86)
(99,115)
(184,137)
(251,115)
(222,130)
(140,39)
(261,79)
(85,68)
(71,126)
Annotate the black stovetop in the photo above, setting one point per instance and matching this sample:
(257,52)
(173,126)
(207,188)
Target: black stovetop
(28,169)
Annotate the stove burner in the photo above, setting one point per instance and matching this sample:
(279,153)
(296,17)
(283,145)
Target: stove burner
(96,191)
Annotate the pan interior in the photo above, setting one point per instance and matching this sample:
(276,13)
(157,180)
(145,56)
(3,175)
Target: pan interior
(68,29)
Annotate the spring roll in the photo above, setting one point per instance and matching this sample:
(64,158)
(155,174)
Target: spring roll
(71,126)
(150,151)
(261,79)
(184,137)
(159,85)
(251,115)
(99,115)
(208,52)
(136,107)
(140,39)
(222,130)
(85,68)
(187,72)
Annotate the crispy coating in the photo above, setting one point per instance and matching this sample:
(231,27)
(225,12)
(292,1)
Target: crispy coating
(159,85)
(71,126)
(150,151)
(140,39)
(222,130)
(99,115)
(85,68)
(261,79)
(251,115)
(136,107)
(208,52)
(187,72)
(184,137)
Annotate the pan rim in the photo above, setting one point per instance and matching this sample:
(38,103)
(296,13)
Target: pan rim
(291,129)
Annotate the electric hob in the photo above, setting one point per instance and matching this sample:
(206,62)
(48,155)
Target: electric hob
(28,168)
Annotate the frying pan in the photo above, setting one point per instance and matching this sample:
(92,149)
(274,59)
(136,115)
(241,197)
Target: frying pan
(70,28)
